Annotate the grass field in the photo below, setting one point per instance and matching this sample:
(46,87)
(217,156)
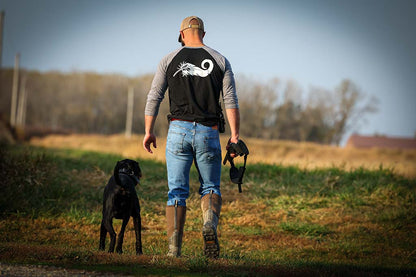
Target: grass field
(290,220)
(304,155)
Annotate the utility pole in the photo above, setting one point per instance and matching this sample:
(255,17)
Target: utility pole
(129,114)
(2,14)
(21,108)
(15,90)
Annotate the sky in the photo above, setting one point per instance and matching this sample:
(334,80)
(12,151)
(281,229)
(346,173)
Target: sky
(316,43)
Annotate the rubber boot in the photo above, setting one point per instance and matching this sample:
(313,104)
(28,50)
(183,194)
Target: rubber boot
(175,216)
(211,208)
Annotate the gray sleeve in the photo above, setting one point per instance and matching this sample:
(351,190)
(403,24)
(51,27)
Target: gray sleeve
(228,88)
(157,90)
(159,86)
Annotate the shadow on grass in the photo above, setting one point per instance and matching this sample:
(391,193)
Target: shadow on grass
(157,265)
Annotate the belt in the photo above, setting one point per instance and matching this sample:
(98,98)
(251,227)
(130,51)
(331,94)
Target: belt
(215,127)
(174,119)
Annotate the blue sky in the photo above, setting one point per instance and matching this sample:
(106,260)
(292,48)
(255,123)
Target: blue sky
(317,43)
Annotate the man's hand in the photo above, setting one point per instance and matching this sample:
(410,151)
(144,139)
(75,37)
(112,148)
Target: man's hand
(149,138)
(233,116)
(231,140)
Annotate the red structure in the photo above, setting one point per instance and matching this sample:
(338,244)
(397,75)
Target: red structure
(358,141)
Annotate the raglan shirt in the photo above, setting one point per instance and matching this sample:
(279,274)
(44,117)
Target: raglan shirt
(195,78)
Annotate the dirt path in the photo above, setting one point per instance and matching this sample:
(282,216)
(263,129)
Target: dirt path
(50,271)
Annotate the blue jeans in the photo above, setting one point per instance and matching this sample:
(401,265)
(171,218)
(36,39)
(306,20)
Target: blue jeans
(189,142)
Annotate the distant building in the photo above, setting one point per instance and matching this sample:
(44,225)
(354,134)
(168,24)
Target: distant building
(358,141)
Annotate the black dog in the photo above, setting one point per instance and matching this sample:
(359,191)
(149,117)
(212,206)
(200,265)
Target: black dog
(121,202)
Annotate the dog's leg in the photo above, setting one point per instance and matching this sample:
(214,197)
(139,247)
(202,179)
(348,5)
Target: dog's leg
(119,248)
(138,230)
(109,226)
(103,234)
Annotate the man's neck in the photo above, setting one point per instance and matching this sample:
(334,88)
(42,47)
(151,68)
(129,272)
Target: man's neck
(194,44)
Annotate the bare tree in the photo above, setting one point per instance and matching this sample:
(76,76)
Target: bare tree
(341,110)
(257,105)
(88,102)
(351,106)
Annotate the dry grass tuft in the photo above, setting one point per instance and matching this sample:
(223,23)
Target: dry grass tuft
(302,154)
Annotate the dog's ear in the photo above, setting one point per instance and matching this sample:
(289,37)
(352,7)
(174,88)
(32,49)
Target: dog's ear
(115,173)
(137,169)
(117,168)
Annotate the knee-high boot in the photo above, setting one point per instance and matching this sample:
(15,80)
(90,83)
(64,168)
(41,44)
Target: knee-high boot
(175,216)
(211,208)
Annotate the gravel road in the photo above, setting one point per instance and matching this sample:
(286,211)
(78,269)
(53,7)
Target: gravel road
(49,271)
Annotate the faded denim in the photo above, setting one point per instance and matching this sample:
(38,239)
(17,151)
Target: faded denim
(189,142)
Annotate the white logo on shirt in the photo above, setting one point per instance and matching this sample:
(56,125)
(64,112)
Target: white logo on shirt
(190,69)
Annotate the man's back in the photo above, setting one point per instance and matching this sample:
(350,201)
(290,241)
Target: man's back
(195,82)
(195,77)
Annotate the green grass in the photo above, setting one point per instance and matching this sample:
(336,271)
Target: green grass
(287,221)
(305,229)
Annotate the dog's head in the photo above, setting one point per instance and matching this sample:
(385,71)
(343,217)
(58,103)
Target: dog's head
(130,168)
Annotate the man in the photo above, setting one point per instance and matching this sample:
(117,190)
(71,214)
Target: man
(195,75)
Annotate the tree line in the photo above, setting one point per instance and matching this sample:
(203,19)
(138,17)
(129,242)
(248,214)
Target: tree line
(86,102)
